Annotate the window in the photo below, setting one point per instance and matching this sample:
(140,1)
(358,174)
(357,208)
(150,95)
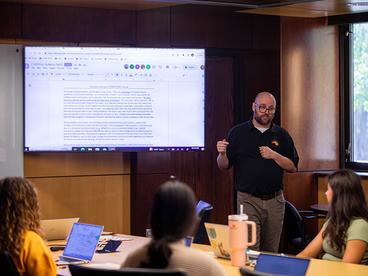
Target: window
(355,89)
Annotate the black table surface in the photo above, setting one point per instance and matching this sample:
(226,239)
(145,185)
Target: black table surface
(321,208)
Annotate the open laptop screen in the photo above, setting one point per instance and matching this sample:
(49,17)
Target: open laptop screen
(281,265)
(218,235)
(201,205)
(82,241)
(57,229)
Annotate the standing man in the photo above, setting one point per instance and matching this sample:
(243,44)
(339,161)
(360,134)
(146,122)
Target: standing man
(260,151)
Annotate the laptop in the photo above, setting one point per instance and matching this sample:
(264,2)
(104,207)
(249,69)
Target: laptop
(201,205)
(57,229)
(281,265)
(81,244)
(218,235)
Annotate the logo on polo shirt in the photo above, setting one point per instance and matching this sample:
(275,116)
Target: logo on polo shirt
(275,143)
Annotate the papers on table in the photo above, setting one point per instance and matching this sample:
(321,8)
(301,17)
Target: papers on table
(104,265)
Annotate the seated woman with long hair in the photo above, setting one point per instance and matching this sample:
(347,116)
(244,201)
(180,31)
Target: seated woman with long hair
(344,236)
(20,228)
(173,217)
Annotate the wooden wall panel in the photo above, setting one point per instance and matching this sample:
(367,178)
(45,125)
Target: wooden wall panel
(103,200)
(52,23)
(310,90)
(219,99)
(92,186)
(75,164)
(269,26)
(10,18)
(310,104)
(300,188)
(184,165)
(322,188)
(150,163)
(204,26)
(220,27)
(153,28)
(261,73)
(143,188)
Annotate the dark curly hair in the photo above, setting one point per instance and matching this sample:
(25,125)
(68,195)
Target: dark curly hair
(173,217)
(348,202)
(19,212)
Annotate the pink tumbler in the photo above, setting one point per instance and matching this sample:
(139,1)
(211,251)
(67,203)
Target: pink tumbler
(238,238)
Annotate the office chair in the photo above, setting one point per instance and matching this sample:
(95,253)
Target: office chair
(203,211)
(295,223)
(7,264)
(247,272)
(80,270)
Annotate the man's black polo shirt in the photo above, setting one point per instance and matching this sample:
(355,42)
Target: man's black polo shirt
(254,174)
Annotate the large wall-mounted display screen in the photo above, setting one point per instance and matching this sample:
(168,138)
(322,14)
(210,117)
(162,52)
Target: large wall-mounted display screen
(88,99)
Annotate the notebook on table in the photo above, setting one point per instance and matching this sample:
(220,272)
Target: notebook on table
(57,229)
(81,244)
(218,235)
(281,265)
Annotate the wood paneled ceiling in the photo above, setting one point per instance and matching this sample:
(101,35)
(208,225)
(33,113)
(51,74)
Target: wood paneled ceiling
(315,8)
(296,8)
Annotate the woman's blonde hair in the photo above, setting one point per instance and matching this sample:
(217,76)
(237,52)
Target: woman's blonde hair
(19,212)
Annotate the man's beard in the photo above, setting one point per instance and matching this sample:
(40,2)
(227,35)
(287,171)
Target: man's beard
(263,119)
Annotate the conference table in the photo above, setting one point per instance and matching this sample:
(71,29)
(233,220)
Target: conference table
(130,243)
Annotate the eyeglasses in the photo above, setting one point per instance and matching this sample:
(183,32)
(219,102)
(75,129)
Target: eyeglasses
(263,108)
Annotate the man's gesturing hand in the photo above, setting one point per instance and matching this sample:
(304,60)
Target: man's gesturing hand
(221,146)
(267,153)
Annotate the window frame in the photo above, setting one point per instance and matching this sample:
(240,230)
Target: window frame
(346,97)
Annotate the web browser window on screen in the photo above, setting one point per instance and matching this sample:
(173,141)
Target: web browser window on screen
(108,99)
